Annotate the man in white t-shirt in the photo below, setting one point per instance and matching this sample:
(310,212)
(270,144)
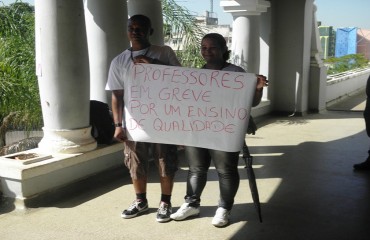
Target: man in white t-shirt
(137,153)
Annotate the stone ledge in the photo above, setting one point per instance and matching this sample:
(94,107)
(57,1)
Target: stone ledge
(26,182)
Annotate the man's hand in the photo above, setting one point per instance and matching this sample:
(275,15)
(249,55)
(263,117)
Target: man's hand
(120,134)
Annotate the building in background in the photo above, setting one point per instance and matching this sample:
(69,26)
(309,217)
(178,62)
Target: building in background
(327,39)
(210,21)
(363,42)
(346,41)
(210,24)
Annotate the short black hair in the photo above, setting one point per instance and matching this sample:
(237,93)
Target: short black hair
(142,19)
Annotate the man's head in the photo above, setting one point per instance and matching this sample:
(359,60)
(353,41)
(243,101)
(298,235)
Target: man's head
(139,29)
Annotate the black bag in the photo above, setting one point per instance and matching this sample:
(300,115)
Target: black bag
(101,121)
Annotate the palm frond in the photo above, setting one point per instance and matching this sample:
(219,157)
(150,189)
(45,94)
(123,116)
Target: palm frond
(180,24)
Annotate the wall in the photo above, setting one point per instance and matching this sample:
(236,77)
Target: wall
(340,86)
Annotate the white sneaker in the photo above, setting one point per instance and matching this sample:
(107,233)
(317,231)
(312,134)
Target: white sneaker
(184,212)
(221,217)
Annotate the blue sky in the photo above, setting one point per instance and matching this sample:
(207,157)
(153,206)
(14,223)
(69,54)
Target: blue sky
(336,13)
(344,13)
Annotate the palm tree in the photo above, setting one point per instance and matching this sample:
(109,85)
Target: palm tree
(180,24)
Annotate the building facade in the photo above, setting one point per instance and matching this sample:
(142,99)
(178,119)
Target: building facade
(327,39)
(363,42)
(346,41)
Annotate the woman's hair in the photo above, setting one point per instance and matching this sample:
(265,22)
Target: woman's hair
(220,40)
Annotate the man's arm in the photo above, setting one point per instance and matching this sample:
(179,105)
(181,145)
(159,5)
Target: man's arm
(117,109)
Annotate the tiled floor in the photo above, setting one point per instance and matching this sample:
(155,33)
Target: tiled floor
(307,187)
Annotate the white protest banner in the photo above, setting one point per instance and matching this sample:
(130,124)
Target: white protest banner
(188,106)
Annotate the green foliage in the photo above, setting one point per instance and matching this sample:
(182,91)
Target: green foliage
(180,24)
(20,106)
(18,83)
(346,63)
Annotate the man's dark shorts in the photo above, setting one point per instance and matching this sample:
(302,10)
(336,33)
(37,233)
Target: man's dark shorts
(138,155)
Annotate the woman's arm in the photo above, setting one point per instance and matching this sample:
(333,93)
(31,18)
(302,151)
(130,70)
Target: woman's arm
(261,83)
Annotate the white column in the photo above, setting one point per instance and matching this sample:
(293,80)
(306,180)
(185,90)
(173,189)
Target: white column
(245,45)
(153,10)
(318,75)
(106,24)
(63,75)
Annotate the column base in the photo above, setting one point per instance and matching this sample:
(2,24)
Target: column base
(67,141)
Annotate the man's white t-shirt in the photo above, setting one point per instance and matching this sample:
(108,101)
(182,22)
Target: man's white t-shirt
(123,62)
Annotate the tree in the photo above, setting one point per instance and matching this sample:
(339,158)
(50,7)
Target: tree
(20,107)
(19,92)
(180,24)
(346,63)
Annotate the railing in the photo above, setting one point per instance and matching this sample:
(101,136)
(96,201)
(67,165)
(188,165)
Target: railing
(347,74)
(341,85)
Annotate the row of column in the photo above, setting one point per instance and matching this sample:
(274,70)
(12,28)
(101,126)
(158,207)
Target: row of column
(295,48)
(75,43)
(77,39)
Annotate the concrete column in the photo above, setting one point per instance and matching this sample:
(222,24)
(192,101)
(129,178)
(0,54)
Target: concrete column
(245,45)
(106,26)
(292,32)
(153,10)
(63,75)
(318,72)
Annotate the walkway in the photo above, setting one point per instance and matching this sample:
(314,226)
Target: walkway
(307,187)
